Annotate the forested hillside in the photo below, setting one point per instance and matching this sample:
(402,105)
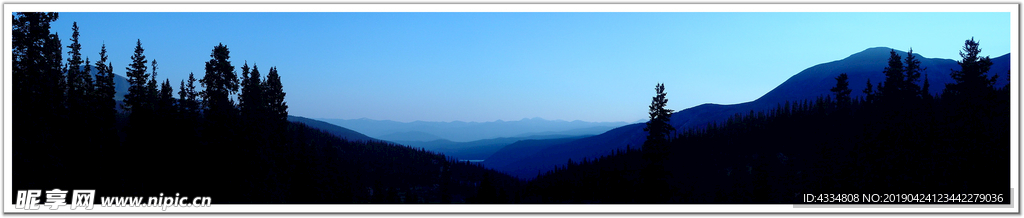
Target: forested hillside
(896,139)
(230,141)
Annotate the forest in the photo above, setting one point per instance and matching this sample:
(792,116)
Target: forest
(898,139)
(228,137)
(71,133)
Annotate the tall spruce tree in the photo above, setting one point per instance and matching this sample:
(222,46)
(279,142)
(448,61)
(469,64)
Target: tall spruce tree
(165,104)
(842,91)
(658,128)
(892,87)
(103,99)
(37,78)
(54,81)
(221,115)
(220,82)
(137,77)
(970,81)
(655,149)
(38,97)
(79,82)
(274,97)
(188,98)
(251,99)
(869,92)
(913,71)
(153,93)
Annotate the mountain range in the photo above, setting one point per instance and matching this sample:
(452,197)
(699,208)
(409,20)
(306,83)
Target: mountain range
(479,149)
(338,131)
(458,131)
(805,85)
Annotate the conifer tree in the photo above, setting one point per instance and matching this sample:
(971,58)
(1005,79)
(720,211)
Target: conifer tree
(33,78)
(54,81)
(188,98)
(658,128)
(153,93)
(869,92)
(913,74)
(38,97)
(165,104)
(220,82)
(103,100)
(137,77)
(104,86)
(79,82)
(221,116)
(654,148)
(842,90)
(274,92)
(970,81)
(892,86)
(251,100)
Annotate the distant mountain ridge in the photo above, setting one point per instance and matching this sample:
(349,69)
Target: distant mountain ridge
(338,131)
(805,85)
(473,150)
(479,149)
(458,131)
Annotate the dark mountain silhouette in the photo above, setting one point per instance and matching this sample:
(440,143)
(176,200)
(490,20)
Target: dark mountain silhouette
(808,84)
(527,160)
(338,131)
(459,131)
(515,152)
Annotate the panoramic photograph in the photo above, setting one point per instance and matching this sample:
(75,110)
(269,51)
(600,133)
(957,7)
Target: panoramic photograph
(179,111)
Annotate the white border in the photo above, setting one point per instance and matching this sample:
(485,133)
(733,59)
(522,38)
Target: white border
(513,7)
(527,208)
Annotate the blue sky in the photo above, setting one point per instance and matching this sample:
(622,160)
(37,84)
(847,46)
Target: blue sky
(510,66)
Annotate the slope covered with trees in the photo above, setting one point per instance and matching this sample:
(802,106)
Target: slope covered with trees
(222,135)
(898,138)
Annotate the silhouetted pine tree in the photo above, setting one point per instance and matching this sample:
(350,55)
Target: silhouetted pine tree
(892,88)
(38,98)
(220,82)
(103,101)
(166,103)
(137,78)
(221,115)
(188,99)
(252,106)
(138,103)
(869,92)
(79,82)
(842,91)
(970,81)
(658,128)
(274,91)
(913,71)
(655,148)
(153,92)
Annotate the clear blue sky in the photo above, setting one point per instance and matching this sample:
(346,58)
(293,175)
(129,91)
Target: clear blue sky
(510,66)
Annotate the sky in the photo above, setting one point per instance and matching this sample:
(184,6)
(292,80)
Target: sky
(477,67)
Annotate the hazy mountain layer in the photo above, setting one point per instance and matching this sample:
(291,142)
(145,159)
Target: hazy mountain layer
(459,131)
(806,85)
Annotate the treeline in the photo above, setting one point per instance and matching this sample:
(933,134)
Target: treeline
(229,140)
(897,139)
